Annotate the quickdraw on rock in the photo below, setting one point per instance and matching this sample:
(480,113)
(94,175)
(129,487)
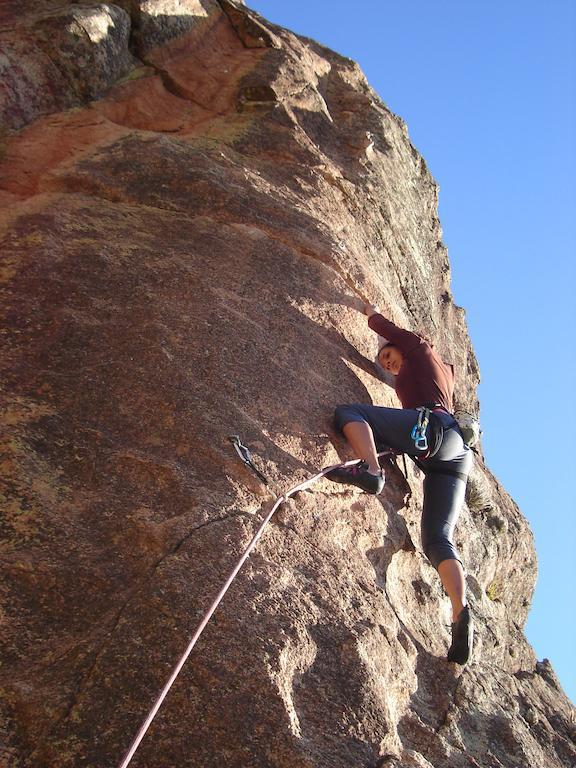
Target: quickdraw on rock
(246,457)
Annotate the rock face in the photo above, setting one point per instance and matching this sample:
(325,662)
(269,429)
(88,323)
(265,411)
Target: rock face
(194,205)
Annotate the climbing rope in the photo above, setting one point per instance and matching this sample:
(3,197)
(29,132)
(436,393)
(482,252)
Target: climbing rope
(164,692)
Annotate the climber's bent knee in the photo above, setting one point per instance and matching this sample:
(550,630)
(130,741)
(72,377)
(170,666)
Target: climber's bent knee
(450,560)
(439,550)
(344,414)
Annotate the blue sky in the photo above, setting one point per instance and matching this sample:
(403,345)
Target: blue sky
(488,91)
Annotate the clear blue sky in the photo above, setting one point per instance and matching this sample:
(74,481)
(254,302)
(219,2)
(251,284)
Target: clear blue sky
(488,91)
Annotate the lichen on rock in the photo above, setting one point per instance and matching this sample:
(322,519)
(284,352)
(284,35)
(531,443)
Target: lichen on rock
(195,203)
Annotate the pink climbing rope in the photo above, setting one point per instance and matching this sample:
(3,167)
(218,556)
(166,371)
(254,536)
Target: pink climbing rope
(164,692)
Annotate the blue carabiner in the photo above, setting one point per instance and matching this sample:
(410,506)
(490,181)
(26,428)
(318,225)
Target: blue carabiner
(420,440)
(421,443)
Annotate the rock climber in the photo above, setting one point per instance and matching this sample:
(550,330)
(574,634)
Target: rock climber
(425,429)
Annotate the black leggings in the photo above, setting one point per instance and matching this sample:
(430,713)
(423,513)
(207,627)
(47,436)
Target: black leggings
(443,493)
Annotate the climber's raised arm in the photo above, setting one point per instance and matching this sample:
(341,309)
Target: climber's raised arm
(406,341)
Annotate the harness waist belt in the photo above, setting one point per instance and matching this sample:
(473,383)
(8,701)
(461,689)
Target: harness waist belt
(436,435)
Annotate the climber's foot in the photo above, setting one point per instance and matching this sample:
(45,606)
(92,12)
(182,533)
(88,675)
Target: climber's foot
(358,475)
(462,637)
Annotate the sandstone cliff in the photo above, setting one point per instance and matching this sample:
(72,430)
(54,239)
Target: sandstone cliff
(194,203)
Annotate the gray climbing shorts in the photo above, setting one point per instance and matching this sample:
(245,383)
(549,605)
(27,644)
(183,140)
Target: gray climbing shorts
(445,474)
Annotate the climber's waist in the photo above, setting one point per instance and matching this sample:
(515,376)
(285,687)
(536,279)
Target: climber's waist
(437,408)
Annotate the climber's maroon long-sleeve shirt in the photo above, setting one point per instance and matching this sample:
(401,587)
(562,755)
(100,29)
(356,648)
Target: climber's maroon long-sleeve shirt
(423,377)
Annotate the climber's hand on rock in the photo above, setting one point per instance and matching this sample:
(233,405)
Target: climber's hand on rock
(370,309)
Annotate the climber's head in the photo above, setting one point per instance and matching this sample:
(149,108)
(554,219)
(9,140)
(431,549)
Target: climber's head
(390,358)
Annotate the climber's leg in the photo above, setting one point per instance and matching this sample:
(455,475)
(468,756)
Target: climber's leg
(367,475)
(391,427)
(365,427)
(443,498)
(452,576)
(361,439)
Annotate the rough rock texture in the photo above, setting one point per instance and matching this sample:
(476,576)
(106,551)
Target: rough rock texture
(183,259)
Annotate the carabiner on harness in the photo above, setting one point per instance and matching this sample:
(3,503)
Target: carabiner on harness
(246,457)
(418,433)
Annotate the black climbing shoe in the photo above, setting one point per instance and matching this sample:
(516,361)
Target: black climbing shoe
(462,636)
(358,475)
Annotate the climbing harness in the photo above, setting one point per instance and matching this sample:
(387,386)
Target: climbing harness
(418,433)
(244,454)
(246,457)
(427,417)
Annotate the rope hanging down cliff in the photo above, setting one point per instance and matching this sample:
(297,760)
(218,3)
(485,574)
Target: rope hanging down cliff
(280,500)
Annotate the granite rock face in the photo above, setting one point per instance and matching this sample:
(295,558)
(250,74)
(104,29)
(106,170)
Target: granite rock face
(195,204)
